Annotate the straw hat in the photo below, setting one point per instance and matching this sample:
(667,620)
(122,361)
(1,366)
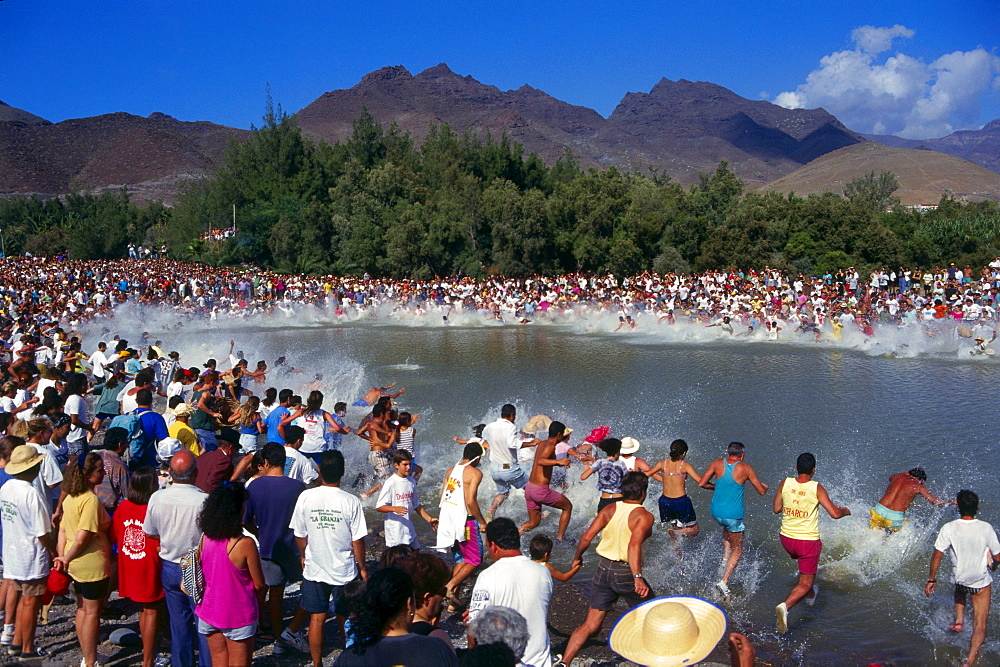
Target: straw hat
(630,445)
(537,423)
(22,458)
(182,410)
(671,630)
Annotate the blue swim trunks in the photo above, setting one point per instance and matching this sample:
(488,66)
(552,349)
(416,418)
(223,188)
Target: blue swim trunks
(732,525)
(677,511)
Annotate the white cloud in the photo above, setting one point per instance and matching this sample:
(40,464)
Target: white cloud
(896,93)
(876,40)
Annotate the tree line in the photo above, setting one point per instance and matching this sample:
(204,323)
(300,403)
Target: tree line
(462,203)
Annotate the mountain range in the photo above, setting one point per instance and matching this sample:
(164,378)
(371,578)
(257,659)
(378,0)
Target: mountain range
(680,128)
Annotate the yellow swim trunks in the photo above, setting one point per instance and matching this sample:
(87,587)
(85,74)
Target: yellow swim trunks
(883,518)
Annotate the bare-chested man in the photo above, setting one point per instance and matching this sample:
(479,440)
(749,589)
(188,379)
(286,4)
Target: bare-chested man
(381,436)
(537,492)
(890,512)
(461,520)
(375,393)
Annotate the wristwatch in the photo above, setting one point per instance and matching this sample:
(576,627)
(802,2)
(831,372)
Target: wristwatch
(638,576)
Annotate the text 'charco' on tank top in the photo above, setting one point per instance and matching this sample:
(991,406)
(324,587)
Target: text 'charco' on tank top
(727,502)
(800,510)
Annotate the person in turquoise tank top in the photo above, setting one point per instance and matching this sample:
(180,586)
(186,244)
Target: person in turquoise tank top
(727,504)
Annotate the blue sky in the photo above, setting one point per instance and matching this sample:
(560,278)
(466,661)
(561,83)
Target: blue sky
(936,71)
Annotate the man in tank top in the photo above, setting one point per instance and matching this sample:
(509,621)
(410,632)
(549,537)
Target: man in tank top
(797,501)
(460,521)
(619,568)
(727,503)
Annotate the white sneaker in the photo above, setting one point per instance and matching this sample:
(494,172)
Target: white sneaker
(811,601)
(296,640)
(781,618)
(723,588)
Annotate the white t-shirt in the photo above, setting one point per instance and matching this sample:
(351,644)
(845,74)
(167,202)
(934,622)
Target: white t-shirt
(314,425)
(399,492)
(503,439)
(75,405)
(331,520)
(525,586)
(971,542)
(298,466)
(178,389)
(7,404)
(50,474)
(98,360)
(26,517)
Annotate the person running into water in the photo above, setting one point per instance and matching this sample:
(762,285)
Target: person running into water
(381,437)
(890,512)
(727,504)
(629,447)
(537,492)
(797,501)
(461,521)
(974,548)
(676,508)
(610,472)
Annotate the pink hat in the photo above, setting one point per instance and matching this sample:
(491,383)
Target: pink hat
(598,434)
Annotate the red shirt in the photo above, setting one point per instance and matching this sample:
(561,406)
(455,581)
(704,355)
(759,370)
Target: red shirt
(138,555)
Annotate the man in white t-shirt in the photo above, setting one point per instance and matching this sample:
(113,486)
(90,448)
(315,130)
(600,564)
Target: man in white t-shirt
(297,466)
(27,546)
(329,527)
(517,582)
(975,551)
(397,499)
(98,360)
(503,441)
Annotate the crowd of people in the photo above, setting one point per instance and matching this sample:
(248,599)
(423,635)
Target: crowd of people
(206,495)
(766,305)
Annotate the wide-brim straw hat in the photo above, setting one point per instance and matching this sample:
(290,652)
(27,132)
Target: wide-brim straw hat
(538,423)
(181,410)
(630,445)
(670,630)
(22,458)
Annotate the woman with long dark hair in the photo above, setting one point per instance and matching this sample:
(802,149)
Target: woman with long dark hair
(139,562)
(227,615)
(380,627)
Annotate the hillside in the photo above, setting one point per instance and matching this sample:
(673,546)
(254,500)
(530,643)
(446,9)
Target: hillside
(924,175)
(151,155)
(9,113)
(980,146)
(681,128)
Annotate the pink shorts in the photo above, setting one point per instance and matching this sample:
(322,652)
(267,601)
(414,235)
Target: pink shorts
(805,551)
(470,550)
(536,495)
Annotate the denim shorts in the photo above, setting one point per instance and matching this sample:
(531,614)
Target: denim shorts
(613,580)
(232,634)
(316,596)
(732,525)
(504,478)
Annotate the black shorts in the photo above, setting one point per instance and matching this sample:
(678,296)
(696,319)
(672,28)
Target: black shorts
(92,590)
(613,580)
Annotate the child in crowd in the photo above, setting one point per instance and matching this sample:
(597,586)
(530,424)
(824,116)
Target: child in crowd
(540,550)
(397,499)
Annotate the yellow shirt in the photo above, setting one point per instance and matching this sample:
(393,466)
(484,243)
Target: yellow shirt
(800,516)
(187,436)
(616,535)
(85,512)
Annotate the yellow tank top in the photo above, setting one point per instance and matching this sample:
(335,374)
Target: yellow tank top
(616,535)
(800,518)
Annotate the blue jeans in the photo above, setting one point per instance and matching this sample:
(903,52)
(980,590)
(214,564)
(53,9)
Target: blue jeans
(180,608)
(208,440)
